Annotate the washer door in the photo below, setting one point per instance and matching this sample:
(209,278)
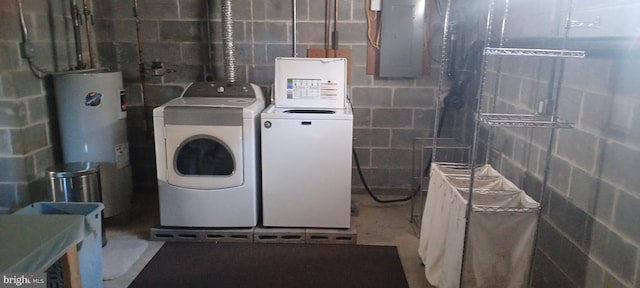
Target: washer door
(200,159)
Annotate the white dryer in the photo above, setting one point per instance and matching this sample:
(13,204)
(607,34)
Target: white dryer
(207,156)
(306,143)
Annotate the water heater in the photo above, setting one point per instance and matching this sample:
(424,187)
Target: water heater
(92,119)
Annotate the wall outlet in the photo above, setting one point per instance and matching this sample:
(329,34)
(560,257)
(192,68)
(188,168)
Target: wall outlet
(376,5)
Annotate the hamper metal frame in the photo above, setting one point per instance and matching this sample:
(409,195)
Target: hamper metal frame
(492,119)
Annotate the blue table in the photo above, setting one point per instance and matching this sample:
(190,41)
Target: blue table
(32,243)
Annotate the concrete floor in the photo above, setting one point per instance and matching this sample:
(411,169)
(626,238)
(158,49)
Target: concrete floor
(376,224)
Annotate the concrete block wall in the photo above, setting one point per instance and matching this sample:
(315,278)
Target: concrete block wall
(28,138)
(388,112)
(591,206)
(589,233)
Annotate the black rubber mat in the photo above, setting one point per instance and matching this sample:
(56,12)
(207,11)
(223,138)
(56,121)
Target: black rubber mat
(179,264)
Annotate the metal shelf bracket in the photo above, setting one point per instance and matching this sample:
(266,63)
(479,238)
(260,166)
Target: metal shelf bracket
(533,52)
(523,121)
(596,23)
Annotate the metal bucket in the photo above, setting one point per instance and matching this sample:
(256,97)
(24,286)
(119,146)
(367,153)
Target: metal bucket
(75,182)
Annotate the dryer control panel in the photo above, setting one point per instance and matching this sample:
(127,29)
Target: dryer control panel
(219,89)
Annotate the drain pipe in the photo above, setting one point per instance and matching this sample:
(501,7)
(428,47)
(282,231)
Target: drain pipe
(227,42)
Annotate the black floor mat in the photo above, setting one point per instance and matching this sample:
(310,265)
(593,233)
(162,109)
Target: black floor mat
(272,265)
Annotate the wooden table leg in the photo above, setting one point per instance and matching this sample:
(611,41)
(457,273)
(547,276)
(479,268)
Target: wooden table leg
(71,268)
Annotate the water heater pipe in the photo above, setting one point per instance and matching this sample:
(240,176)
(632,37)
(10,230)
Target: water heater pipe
(87,17)
(75,17)
(227,42)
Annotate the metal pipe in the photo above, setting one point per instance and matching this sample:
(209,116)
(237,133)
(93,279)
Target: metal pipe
(87,16)
(474,150)
(441,78)
(335,15)
(141,69)
(207,7)
(75,17)
(25,32)
(89,70)
(334,36)
(327,28)
(253,46)
(557,77)
(295,28)
(444,58)
(493,99)
(227,42)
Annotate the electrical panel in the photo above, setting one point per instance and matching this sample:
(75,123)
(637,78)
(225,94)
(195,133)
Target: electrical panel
(402,38)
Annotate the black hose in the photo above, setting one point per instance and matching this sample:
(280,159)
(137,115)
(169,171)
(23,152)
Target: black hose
(426,169)
(366,187)
(454,99)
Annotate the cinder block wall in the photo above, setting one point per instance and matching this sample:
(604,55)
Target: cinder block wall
(28,137)
(589,230)
(589,233)
(388,112)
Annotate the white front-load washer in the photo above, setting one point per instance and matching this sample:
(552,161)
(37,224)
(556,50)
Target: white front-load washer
(207,156)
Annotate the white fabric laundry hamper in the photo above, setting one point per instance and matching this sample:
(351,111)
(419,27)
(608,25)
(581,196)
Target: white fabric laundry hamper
(500,236)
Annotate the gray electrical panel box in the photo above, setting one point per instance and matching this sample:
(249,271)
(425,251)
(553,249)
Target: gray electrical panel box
(402,38)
